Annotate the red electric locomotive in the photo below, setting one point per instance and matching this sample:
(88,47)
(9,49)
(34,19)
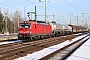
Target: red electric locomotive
(33,30)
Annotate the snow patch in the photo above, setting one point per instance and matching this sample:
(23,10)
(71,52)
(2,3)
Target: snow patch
(8,42)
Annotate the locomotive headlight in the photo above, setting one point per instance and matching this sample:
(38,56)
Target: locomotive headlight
(30,32)
(20,31)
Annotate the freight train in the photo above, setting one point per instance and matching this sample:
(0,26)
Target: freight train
(33,30)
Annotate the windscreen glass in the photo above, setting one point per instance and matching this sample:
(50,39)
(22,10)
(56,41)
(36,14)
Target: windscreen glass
(24,25)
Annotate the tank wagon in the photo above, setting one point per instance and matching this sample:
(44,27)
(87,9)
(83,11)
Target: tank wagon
(60,29)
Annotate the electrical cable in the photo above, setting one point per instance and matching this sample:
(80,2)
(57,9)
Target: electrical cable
(72,6)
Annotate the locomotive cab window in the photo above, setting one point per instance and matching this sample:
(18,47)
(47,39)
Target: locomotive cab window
(24,25)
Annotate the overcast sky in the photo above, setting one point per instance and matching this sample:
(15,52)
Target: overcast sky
(62,9)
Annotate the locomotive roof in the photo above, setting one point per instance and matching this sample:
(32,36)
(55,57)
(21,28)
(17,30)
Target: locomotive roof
(38,21)
(33,21)
(27,21)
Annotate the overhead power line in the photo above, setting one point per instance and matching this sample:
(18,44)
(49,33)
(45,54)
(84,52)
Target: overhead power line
(54,8)
(77,5)
(33,3)
(40,6)
(7,5)
(10,6)
(72,6)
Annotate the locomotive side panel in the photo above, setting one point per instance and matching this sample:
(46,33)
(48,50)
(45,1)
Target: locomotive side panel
(33,29)
(39,29)
(49,29)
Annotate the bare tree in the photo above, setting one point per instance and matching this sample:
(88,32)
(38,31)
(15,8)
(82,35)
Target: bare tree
(16,18)
(12,20)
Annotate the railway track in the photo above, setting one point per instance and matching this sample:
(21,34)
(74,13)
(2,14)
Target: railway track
(64,52)
(12,38)
(16,50)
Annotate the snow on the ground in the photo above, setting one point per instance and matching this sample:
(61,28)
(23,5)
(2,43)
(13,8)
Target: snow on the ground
(77,34)
(81,53)
(1,34)
(42,53)
(8,42)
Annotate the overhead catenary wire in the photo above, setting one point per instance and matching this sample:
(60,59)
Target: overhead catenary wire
(77,5)
(54,8)
(9,6)
(31,3)
(53,12)
(72,6)
(41,6)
